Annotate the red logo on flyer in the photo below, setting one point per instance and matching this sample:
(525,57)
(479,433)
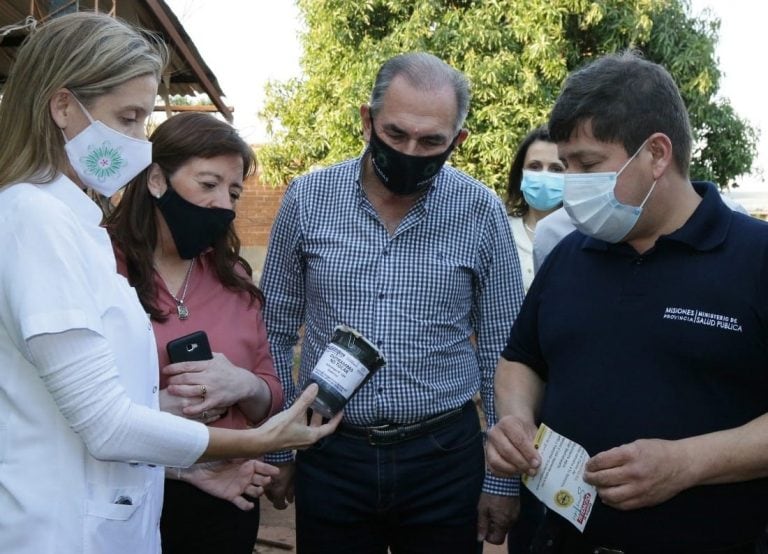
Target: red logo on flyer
(584,508)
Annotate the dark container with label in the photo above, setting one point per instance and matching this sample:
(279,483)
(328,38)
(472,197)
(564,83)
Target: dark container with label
(347,363)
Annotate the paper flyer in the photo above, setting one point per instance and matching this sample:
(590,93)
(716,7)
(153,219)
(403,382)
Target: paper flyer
(559,483)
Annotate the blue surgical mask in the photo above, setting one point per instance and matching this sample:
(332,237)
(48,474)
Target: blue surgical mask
(542,190)
(591,203)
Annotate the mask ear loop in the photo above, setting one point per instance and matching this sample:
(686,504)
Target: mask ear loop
(647,196)
(86,112)
(623,167)
(629,161)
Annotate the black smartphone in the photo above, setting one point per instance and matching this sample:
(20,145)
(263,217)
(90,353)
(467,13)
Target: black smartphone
(189,348)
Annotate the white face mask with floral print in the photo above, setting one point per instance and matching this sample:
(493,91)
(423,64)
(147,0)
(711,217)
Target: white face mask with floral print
(105,159)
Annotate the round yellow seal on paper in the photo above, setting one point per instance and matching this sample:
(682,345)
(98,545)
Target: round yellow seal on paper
(563,498)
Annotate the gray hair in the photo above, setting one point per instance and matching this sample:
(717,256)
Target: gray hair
(426,72)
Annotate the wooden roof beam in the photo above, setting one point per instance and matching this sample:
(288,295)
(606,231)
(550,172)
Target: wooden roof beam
(186,53)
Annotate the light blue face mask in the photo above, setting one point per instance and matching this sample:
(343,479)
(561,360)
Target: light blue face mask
(542,190)
(591,204)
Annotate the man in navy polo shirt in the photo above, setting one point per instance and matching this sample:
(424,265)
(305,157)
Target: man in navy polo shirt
(644,337)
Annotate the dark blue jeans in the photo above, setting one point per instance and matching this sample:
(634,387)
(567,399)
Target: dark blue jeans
(416,496)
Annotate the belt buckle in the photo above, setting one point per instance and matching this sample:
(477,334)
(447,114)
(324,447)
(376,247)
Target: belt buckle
(369,431)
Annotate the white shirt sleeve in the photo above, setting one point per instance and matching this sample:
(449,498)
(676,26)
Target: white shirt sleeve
(78,369)
(549,232)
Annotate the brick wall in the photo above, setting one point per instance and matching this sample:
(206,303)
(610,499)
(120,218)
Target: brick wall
(256,212)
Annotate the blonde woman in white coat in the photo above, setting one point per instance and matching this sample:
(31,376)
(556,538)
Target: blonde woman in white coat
(82,443)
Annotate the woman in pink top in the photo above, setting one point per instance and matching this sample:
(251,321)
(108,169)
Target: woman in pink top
(176,243)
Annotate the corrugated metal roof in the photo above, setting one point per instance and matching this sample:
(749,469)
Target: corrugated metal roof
(188,74)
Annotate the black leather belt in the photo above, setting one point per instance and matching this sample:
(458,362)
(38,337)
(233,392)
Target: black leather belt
(392,433)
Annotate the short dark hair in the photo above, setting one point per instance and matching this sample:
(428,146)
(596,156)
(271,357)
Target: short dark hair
(516,204)
(626,98)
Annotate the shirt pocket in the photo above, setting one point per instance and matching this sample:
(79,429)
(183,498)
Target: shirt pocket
(442,289)
(118,525)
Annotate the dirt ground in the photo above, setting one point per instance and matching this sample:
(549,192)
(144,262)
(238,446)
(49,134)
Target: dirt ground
(277,532)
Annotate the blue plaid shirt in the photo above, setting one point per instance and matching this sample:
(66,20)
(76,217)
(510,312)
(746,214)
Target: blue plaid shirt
(449,270)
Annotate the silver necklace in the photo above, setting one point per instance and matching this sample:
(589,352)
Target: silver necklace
(527,228)
(181,308)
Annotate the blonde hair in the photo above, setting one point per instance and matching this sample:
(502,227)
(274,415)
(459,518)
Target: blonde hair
(86,53)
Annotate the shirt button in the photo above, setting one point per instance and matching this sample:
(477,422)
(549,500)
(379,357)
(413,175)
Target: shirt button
(154,389)
(380,390)
(381,296)
(386,253)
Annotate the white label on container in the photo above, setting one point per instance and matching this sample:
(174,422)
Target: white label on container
(559,482)
(340,369)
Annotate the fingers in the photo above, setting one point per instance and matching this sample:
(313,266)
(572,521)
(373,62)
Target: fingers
(495,535)
(483,522)
(507,461)
(202,415)
(279,503)
(612,477)
(511,449)
(316,419)
(188,391)
(197,409)
(264,468)
(184,367)
(254,491)
(261,480)
(278,499)
(305,399)
(327,428)
(615,457)
(242,503)
(623,497)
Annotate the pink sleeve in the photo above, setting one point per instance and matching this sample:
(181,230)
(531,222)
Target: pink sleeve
(265,368)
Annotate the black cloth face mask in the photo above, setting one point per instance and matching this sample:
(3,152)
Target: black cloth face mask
(401,173)
(192,227)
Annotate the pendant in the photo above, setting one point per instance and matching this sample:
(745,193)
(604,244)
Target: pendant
(182,310)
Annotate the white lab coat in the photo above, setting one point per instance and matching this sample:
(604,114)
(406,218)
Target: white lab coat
(58,273)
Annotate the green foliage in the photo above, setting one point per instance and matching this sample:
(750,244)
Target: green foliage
(516,55)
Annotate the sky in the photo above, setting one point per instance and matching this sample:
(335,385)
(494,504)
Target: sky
(247,43)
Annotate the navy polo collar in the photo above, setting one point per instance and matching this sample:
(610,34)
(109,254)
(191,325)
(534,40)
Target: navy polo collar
(705,230)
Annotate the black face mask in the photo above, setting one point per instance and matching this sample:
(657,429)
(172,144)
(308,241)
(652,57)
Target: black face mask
(403,174)
(193,227)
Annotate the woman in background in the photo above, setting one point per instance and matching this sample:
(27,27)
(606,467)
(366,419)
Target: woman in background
(176,243)
(534,190)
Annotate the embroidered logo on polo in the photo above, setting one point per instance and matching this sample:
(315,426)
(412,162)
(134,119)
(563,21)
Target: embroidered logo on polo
(699,317)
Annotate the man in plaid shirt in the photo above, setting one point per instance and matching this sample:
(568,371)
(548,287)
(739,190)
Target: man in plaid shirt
(419,258)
